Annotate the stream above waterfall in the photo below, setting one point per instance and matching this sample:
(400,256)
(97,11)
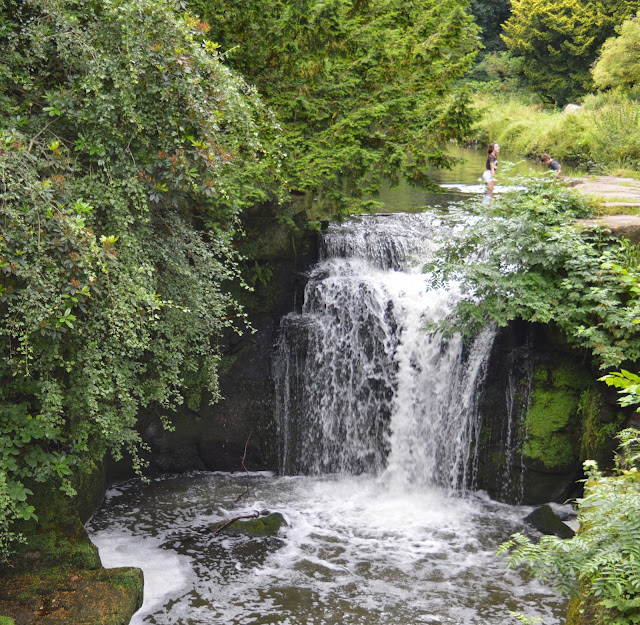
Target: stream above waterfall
(377,422)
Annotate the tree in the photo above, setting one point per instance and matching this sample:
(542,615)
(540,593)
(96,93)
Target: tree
(619,63)
(363,90)
(560,39)
(490,16)
(126,151)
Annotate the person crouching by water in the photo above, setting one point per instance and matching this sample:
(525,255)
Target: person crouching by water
(489,175)
(552,164)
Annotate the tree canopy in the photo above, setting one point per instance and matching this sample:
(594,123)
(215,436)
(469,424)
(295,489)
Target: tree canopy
(619,63)
(363,90)
(560,39)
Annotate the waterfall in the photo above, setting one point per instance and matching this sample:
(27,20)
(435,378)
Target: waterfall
(361,386)
(513,433)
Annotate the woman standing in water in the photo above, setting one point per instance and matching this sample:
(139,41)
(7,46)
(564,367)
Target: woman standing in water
(489,175)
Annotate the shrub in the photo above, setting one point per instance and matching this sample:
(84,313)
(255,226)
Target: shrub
(601,560)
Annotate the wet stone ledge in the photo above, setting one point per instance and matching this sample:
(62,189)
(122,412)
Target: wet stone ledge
(65,596)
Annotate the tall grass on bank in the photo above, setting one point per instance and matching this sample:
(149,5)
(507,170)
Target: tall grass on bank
(603,135)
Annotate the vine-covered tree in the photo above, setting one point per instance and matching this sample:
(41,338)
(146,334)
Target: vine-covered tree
(619,62)
(559,40)
(126,150)
(363,90)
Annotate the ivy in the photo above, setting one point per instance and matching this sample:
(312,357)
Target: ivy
(127,150)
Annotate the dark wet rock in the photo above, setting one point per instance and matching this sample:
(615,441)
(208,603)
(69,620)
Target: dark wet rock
(542,416)
(239,431)
(545,520)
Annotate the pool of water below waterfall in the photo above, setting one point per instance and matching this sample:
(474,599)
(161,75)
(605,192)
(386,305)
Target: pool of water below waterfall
(353,552)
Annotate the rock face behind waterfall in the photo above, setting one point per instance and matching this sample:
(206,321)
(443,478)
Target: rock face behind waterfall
(515,419)
(218,437)
(543,415)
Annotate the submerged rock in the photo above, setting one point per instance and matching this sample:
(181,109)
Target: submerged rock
(262,526)
(545,520)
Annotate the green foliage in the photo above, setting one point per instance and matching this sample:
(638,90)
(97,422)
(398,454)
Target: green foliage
(628,385)
(363,90)
(604,134)
(605,553)
(126,152)
(490,15)
(523,618)
(11,507)
(498,72)
(560,39)
(619,63)
(541,267)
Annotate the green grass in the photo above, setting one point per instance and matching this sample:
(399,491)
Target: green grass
(602,137)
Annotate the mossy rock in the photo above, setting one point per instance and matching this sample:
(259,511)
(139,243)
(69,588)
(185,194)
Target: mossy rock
(5,620)
(584,611)
(64,545)
(551,423)
(268,525)
(599,426)
(61,596)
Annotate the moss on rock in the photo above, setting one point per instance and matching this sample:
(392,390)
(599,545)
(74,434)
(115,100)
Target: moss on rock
(583,611)
(62,596)
(57,538)
(551,420)
(268,525)
(56,577)
(598,428)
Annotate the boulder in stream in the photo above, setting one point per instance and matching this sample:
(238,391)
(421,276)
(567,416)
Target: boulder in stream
(545,520)
(263,526)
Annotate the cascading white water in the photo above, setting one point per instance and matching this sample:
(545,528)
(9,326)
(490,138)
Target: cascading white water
(361,385)
(364,390)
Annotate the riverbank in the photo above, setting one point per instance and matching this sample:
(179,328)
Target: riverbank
(616,195)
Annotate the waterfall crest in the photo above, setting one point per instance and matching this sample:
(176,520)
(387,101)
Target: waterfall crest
(361,387)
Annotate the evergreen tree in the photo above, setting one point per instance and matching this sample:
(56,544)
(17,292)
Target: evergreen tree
(559,40)
(363,90)
(490,15)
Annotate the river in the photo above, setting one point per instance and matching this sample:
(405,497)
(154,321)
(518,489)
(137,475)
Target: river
(376,422)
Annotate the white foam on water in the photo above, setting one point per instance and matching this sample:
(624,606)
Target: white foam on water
(480,188)
(166,573)
(353,553)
